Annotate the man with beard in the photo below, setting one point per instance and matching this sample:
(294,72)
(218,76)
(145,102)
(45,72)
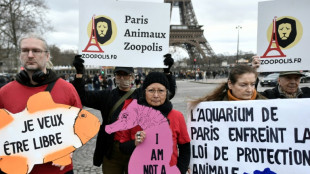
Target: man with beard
(110,103)
(35,78)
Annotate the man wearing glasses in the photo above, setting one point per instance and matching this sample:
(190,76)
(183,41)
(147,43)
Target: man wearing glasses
(110,103)
(124,77)
(37,77)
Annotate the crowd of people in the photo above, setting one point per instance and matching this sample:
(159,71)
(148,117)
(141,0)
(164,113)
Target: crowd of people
(200,75)
(111,95)
(99,81)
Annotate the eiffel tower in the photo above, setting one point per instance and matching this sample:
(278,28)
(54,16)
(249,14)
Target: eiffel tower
(189,34)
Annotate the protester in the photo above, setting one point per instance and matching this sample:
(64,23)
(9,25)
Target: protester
(110,103)
(239,86)
(137,81)
(110,83)
(96,82)
(288,84)
(89,83)
(35,78)
(155,91)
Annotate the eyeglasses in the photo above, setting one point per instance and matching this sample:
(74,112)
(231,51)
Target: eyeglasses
(35,52)
(125,76)
(159,91)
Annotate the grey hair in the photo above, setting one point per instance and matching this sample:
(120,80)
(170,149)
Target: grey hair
(35,36)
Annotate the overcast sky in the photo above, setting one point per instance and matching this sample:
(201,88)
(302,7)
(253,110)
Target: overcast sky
(219,18)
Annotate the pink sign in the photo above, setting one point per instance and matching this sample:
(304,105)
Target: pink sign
(154,154)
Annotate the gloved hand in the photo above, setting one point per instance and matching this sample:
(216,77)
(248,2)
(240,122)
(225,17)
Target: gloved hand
(168,62)
(78,64)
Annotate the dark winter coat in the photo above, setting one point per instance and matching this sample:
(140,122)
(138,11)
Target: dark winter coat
(274,93)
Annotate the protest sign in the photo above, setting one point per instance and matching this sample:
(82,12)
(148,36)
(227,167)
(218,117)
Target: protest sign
(115,33)
(45,131)
(282,40)
(153,155)
(246,137)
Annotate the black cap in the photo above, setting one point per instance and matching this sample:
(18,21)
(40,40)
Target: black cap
(128,70)
(156,77)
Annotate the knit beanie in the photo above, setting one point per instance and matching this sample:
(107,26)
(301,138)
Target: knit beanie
(155,77)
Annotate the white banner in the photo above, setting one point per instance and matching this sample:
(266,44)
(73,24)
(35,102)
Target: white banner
(246,137)
(43,132)
(114,33)
(282,38)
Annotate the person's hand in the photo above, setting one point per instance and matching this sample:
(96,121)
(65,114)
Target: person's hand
(255,62)
(139,137)
(78,64)
(168,61)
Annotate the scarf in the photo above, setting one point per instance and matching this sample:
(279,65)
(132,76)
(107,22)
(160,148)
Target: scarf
(165,108)
(50,78)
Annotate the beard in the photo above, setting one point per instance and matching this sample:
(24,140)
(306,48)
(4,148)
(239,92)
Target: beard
(32,68)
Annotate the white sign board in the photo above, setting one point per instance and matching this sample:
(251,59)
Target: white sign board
(282,38)
(246,137)
(114,33)
(44,132)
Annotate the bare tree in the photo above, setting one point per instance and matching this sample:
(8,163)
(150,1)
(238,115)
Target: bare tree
(17,18)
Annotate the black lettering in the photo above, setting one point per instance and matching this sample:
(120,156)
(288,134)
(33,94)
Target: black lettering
(28,126)
(126,46)
(150,169)
(127,18)
(163,169)
(156,138)
(265,114)
(306,135)
(158,156)
(59,117)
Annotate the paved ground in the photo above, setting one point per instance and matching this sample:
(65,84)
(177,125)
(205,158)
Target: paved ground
(187,90)
(83,156)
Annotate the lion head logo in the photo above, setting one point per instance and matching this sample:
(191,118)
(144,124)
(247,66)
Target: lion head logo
(289,31)
(104,29)
(286,31)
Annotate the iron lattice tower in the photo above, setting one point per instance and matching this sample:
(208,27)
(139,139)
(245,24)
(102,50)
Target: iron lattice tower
(189,34)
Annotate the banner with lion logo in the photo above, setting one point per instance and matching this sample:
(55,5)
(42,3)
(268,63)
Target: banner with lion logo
(282,38)
(114,33)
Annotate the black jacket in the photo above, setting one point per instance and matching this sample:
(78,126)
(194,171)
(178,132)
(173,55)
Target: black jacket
(104,101)
(274,93)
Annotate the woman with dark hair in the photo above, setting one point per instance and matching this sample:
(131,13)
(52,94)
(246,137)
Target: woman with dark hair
(239,86)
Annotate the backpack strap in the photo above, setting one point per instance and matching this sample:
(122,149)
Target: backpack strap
(50,86)
(119,102)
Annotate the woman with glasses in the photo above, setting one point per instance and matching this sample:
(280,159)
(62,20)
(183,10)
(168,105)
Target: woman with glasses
(155,92)
(110,103)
